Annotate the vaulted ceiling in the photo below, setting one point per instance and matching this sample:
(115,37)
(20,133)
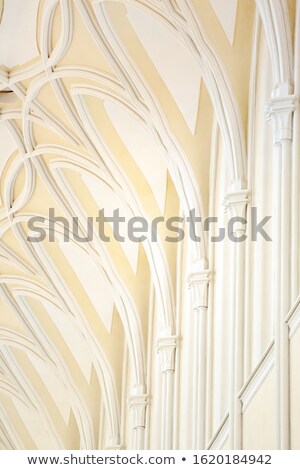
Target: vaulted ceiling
(103,104)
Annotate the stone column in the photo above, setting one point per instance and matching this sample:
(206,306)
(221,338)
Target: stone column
(138,406)
(198,283)
(166,348)
(280,112)
(236,204)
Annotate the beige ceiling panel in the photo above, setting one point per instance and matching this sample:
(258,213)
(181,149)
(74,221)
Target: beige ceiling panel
(19,31)
(179,71)
(226,11)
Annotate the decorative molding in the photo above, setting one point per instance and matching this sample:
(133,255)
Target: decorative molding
(293,318)
(9,434)
(236,206)
(221,435)
(21,382)
(258,377)
(166,348)
(138,406)
(235,203)
(46,164)
(280,112)
(275,18)
(198,282)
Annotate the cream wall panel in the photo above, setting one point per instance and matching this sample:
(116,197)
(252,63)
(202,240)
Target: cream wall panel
(261,170)
(259,418)
(295,389)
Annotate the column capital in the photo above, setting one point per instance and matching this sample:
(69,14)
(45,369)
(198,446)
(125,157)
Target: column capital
(280,111)
(166,348)
(235,203)
(138,405)
(198,282)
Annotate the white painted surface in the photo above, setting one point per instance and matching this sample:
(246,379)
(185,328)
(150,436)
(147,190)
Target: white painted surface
(34,425)
(92,281)
(18,32)
(54,386)
(226,11)
(73,339)
(143,150)
(7,146)
(172,60)
(107,200)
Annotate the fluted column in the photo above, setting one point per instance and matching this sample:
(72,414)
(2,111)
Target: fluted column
(280,112)
(166,348)
(198,283)
(138,406)
(236,204)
